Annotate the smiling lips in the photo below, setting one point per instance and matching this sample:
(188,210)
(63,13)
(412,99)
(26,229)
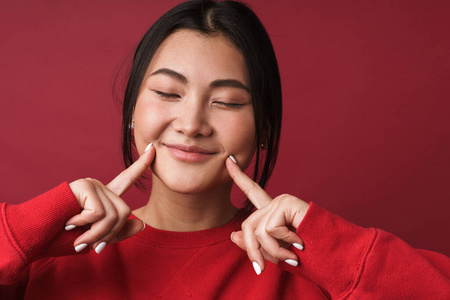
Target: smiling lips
(189,153)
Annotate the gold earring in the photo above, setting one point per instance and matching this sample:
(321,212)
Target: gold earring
(264,145)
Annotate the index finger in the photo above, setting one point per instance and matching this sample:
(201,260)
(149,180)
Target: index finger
(251,189)
(127,178)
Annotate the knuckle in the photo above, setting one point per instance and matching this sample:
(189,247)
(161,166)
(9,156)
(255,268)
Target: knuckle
(99,213)
(96,235)
(246,225)
(286,200)
(86,183)
(97,182)
(253,253)
(286,236)
(123,209)
(113,218)
(260,233)
(127,211)
(111,235)
(275,254)
(271,230)
(284,197)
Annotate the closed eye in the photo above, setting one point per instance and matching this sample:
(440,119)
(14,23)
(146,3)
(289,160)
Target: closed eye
(165,95)
(229,105)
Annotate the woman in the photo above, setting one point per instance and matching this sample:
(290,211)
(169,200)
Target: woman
(203,99)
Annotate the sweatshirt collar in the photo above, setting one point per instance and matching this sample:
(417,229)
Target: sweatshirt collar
(191,239)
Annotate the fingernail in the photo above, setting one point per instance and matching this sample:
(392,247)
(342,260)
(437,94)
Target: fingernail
(80,247)
(69,227)
(148,147)
(100,247)
(231,237)
(291,262)
(298,246)
(232,158)
(143,226)
(257,268)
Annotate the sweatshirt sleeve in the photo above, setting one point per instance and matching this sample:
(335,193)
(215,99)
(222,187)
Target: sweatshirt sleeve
(350,262)
(34,230)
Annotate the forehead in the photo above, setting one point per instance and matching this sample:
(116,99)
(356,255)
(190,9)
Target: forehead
(200,56)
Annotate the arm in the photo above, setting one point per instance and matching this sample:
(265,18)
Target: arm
(35,229)
(345,260)
(349,261)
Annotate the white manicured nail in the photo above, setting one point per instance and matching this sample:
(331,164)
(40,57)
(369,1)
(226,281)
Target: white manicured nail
(257,268)
(69,227)
(80,247)
(100,247)
(231,237)
(291,262)
(143,227)
(298,246)
(148,147)
(232,158)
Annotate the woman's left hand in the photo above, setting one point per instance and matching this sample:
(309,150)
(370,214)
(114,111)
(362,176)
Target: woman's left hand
(268,231)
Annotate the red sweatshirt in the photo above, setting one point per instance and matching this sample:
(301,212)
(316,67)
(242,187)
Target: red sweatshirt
(340,261)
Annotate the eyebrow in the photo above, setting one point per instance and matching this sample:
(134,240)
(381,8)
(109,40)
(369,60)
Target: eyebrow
(216,83)
(170,73)
(229,83)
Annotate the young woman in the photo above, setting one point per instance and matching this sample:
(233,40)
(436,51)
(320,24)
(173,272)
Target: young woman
(202,101)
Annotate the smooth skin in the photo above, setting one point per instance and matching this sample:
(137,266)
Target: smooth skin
(268,231)
(202,101)
(195,94)
(261,232)
(103,208)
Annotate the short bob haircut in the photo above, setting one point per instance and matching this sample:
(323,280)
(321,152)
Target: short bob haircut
(240,24)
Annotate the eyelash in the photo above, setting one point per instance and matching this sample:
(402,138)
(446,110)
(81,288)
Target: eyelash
(230,105)
(171,96)
(166,96)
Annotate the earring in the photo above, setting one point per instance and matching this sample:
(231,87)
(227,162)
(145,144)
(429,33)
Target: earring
(131,126)
(264,145)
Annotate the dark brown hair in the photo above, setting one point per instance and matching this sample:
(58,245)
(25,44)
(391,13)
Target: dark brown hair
(240,24)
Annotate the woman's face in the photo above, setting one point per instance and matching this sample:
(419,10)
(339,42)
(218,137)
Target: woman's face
(195,107)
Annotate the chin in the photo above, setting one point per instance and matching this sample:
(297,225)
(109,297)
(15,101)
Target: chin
(192,182)
(187,190)
(193,185)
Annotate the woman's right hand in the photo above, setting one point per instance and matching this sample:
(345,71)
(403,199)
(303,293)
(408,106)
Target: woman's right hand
(104,210)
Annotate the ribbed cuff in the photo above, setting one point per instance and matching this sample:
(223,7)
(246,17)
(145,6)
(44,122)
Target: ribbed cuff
(334,252)
(35,222)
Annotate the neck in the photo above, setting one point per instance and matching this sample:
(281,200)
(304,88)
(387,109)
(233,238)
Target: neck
(173,211)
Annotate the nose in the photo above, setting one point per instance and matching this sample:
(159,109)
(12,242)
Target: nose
(192,119)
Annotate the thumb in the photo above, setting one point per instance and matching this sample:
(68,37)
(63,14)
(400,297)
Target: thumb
(238,238)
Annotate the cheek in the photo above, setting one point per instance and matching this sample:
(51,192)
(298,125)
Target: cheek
(149,122)
(241,136)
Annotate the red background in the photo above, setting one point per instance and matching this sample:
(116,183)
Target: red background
(366,103)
